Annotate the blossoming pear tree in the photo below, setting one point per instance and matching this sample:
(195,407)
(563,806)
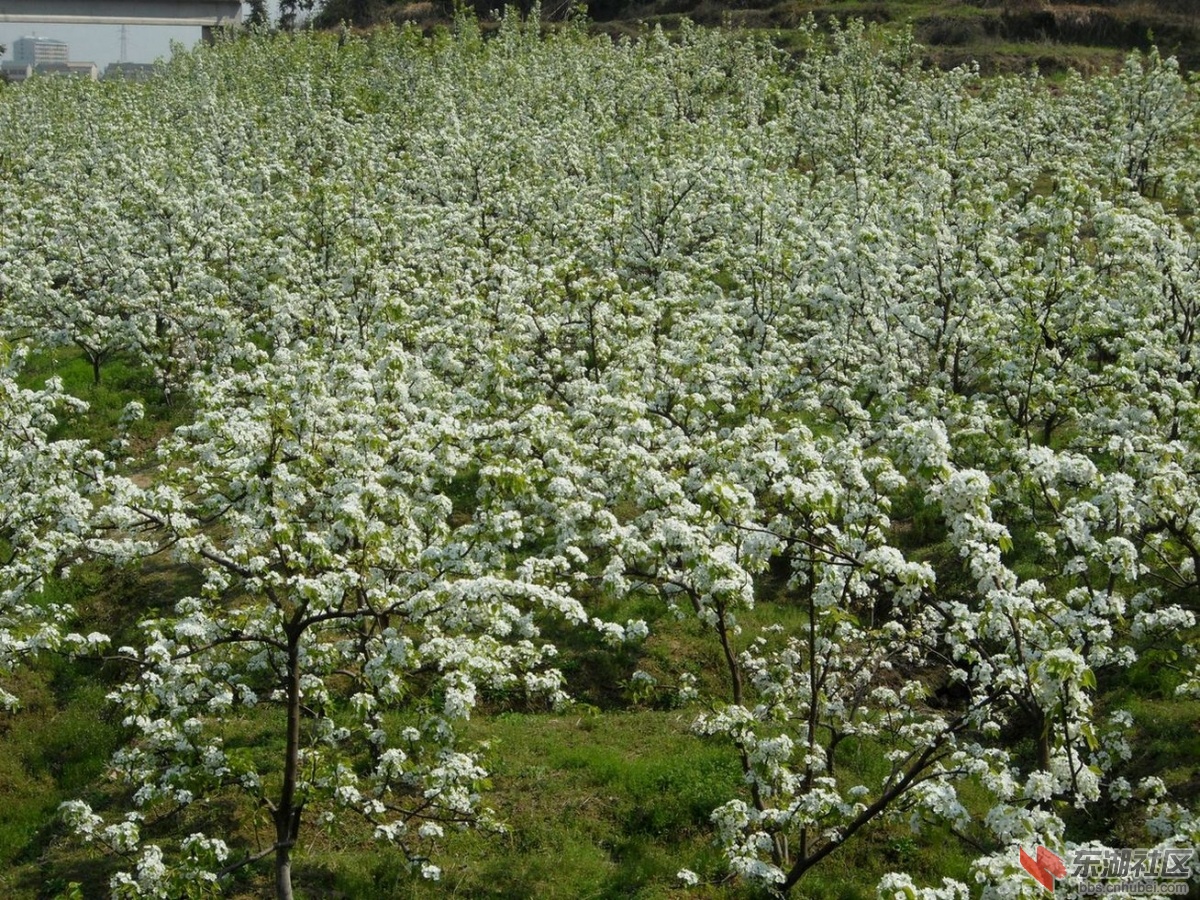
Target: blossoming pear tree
(339,585)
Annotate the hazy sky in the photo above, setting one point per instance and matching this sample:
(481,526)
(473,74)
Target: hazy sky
(101,44)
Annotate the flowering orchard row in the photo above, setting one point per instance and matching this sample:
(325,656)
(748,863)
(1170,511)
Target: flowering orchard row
(473,335)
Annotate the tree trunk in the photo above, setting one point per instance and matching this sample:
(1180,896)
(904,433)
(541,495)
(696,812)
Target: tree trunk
(735,672)
(287,813)
(1045,727)
(283,872)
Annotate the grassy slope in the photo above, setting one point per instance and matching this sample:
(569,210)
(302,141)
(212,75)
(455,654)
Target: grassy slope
(1001,35)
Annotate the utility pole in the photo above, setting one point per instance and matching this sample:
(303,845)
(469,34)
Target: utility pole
(124,44)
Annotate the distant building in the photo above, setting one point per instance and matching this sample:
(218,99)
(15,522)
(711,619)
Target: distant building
(37,50)
(130,71)
(74,69)
(33,55)
(15,71)
(19,71)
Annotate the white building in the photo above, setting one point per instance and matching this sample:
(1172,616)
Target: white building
(37,50)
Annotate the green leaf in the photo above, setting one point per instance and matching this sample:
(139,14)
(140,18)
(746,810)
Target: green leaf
(1088,679)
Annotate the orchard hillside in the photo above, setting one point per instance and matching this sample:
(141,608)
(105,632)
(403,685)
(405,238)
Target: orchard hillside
(545,465)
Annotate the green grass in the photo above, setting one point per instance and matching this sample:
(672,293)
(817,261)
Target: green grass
(600,807)
(57,745)
(626,796)
(122,382)
(51,751)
